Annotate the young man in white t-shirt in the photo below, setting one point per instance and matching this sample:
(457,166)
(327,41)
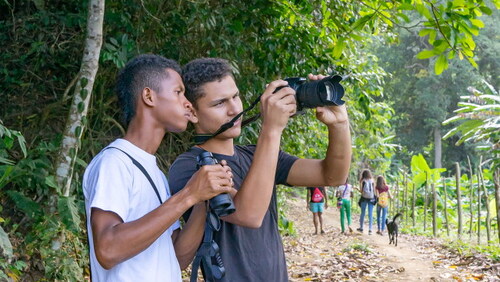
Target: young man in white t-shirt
(133,227)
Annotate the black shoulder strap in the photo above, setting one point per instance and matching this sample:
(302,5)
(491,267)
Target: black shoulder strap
(207,252)
(138,165)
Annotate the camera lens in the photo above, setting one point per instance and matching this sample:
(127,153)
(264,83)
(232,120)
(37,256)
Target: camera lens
(325,92)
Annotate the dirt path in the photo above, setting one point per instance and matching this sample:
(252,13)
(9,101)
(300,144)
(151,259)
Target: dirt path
(358,256)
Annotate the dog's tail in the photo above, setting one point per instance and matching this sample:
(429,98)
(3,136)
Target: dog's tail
(396,216)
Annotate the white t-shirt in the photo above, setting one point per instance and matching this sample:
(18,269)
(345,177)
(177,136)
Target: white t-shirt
(347,193)
(113,183)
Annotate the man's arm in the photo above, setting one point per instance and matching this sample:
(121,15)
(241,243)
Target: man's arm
(188,239)
(334,169)
(253,197)
(116,241)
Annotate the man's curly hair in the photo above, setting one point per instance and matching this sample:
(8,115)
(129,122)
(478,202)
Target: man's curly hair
(200,71)
(143,71)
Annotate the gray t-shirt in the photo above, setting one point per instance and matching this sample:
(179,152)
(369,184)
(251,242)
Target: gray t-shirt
(248,254)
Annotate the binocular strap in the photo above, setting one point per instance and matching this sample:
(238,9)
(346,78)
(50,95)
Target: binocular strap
(206,252)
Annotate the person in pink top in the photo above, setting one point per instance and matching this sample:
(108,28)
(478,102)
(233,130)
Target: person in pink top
(383,194)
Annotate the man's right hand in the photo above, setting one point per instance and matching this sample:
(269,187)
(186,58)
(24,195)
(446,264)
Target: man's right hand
(210,181)
(276,108)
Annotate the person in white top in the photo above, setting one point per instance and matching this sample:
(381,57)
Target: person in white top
(132,219)
(344,195)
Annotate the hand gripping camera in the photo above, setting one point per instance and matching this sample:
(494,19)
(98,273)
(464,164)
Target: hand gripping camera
(221,204)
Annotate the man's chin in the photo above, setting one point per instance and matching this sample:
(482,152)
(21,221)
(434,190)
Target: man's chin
(178,129)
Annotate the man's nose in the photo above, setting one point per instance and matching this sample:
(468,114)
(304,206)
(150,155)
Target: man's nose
(233,107)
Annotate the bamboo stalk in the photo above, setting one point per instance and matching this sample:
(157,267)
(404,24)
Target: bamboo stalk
(446,208)
(488,219)
(479,201)
(459,199)
(471,197)
(425,200)
(434,210)
(405,199)
(413,205)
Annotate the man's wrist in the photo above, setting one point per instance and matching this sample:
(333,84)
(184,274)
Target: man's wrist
(187,197)
(342,125)
(270,132)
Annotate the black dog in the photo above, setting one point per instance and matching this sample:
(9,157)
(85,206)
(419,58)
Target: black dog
(392,229)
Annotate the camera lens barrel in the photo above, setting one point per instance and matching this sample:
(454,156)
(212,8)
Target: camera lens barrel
(221,204)
(324,92)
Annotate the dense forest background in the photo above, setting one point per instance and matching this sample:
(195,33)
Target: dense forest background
(407,65)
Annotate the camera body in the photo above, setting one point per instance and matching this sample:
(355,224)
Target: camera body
(317,93)
(221,204)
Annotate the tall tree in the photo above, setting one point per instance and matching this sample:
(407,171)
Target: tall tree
(77,117)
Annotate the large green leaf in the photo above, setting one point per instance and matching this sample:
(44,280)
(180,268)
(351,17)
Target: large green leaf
(25,204)
(69,213)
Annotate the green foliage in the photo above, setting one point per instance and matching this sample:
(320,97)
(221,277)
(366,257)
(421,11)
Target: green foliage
(285,226)
(467,249)
(62,252)
(479,117)
(53,238)
(422,172)
(263,40)
(357,246)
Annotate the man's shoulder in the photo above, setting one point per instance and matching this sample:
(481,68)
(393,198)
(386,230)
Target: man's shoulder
(245,148)
(109,157)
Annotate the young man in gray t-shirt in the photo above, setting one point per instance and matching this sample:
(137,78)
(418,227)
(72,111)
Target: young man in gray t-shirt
(249,239)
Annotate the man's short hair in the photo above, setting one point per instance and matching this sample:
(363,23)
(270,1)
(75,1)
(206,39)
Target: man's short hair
(142,71)
(200,71)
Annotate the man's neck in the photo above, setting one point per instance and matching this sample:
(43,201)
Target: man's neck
(219,146)
(144,137)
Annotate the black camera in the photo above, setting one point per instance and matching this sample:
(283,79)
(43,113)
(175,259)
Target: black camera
(221,204)
(317,93)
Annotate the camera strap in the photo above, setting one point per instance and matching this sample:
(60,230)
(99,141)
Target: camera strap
(207,251)
(141,168)
(202,138)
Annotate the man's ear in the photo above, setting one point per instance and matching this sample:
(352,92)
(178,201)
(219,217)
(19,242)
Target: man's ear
(194,115)
(148,96)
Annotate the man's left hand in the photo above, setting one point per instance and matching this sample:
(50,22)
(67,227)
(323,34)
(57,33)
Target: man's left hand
(330,115)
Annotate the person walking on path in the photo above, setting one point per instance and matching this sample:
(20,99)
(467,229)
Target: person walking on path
(383,196)
(317,202)
(367,199)
(344,195)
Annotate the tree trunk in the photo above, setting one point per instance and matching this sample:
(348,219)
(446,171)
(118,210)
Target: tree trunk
(76,121)
(459,199)
(437,148)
